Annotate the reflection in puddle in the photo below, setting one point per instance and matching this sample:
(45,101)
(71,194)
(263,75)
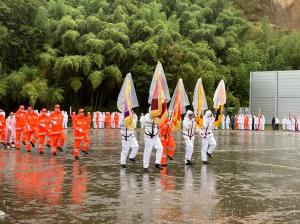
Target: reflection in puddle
(253,178)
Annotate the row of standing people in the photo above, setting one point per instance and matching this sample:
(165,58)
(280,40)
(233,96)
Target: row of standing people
(289,123)
(243,122)
(109,120)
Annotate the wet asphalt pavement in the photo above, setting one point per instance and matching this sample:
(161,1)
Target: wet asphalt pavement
(254,177)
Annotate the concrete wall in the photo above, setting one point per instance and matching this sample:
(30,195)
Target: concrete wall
(276,93)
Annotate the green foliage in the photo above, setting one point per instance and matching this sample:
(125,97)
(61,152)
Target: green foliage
(77,52)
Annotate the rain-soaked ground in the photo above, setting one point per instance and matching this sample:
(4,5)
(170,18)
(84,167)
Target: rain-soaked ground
(254,177)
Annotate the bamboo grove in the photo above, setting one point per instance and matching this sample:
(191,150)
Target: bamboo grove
(77,52)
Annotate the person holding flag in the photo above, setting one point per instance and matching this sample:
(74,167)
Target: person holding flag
(177,107)
(188,131)
(158,98)
(127,100)
(208,141)
(193,121)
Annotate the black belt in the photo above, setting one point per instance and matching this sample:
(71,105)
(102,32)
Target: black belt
(151,135)
(190,136)
(127,136)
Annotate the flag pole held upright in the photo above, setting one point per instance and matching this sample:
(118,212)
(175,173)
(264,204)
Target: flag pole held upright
(159,95)
(127,100)
(219,102)
(178,103)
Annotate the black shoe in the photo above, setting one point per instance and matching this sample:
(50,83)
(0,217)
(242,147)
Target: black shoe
(33,145)
(123,165)
(164,165)
(85,152)
(188,163)
(170,158)
(132,160)
(48,145)
(23,143)
(53,153)
(204,162)
(60,149)
(76,157)
(209,155)
(146,170)
(158,166)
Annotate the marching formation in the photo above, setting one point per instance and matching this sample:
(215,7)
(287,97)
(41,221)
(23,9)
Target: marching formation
(31,127)
(160,120)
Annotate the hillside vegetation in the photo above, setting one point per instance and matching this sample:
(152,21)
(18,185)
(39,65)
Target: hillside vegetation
(76,52)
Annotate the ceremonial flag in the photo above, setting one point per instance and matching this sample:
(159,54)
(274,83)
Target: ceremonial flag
(199,102)
(219,101)
(159,95)
(127,100)
(178,103)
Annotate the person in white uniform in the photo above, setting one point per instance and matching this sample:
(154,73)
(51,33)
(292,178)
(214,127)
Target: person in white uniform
(250,122)
(283,123)
(227,121)
(142,119)
(152,140)
(135,118)
(102,121)
(241,121)
(66,117)
(188,131)
(128,141)
(256,121)
(223,122)
(263,121)
(208,141)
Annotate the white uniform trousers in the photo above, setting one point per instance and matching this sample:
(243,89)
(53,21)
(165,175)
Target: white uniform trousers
(151,143)
(208,145)
(126,145)
(189,147)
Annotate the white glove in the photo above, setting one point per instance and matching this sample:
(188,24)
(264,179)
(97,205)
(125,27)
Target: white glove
(43,125)
(80,130)
(54,122)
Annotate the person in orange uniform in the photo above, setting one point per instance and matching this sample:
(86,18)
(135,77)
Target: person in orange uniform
(246,122)
(166,137)
(236,124)
(21,122)
(56,130)
(73,116)
(2,127)
(44,122)
(89,119)
(107,120)
(81,133)
(31,129)
(116,119)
